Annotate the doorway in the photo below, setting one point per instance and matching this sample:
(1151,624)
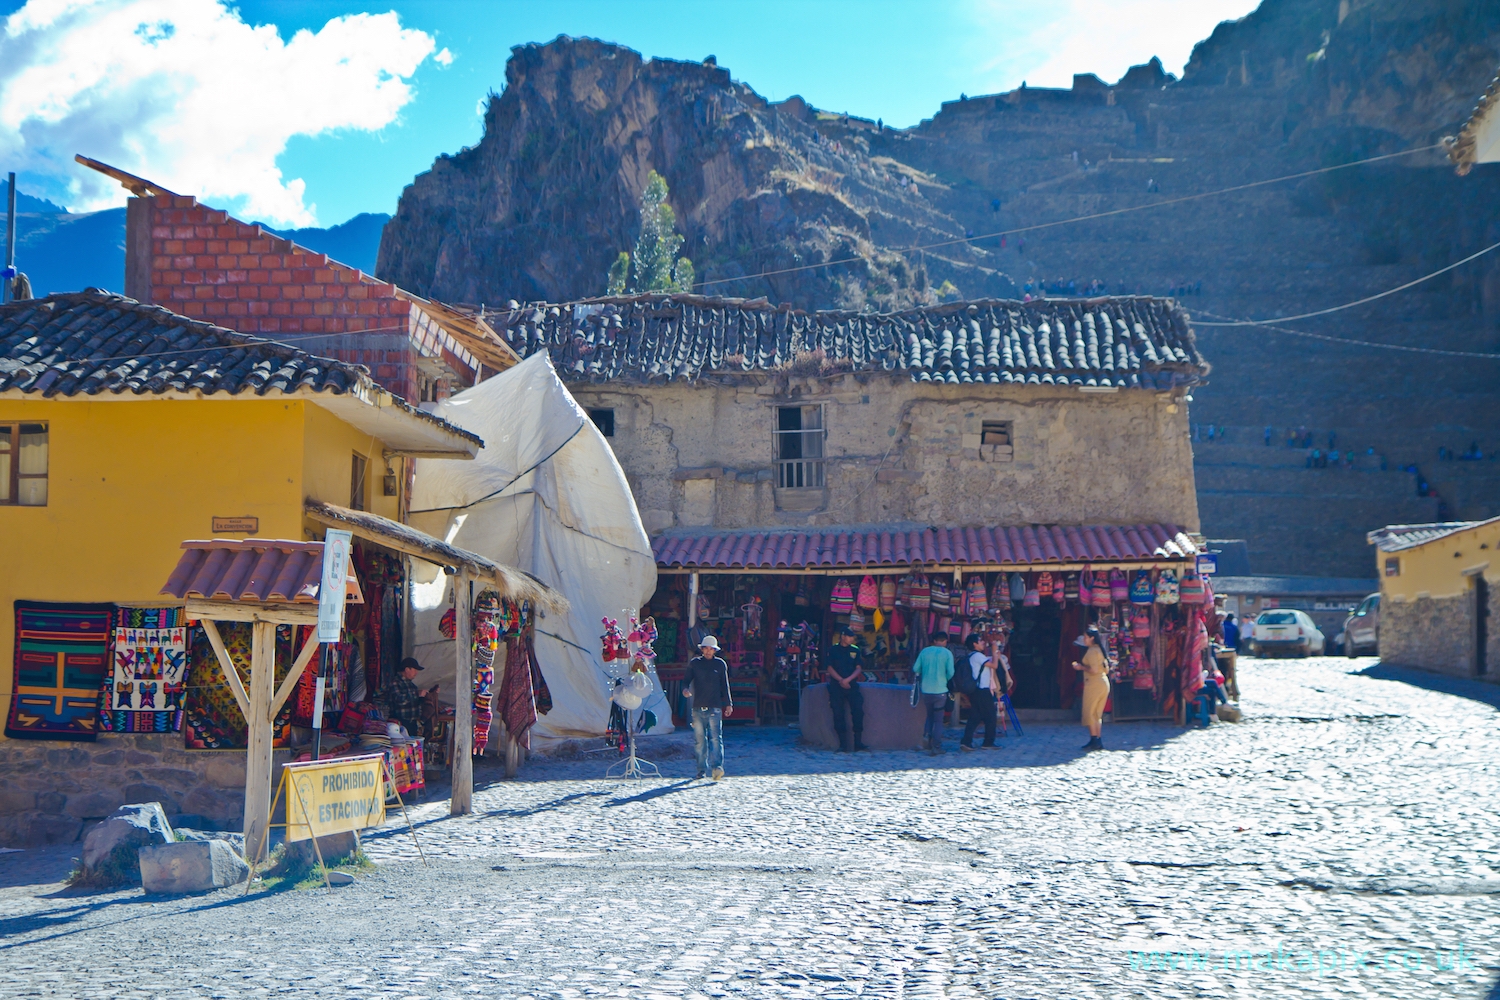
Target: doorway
(1033,656)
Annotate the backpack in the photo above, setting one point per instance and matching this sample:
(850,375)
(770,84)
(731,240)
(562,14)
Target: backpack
(869,594)
(1191,590)
(1086,587)
(963,677)
(1102,597)
(976,601)
(841,602)
(1017,588)
(1000,593)
(1166,587)
(887,594)
(1033,598)
(1070,587)
(938,597)
(1044,584)
(1140,625)
(1141,591)
(920,592)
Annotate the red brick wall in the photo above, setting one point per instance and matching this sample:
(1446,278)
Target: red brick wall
(210,266)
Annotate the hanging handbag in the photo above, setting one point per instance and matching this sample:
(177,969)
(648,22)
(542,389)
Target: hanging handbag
(1118,589)
(1141,591)
(1166,587)
(921,592)
(1140,625)
(939,598)
(1000,593)
(887,594)
(1102,598)
(857,619)
(869,594)
(841,601)
(1033,598)
(1070,587)
(1086,587)
(1044,584)
(1190,591)
(976,599)
(1017,588)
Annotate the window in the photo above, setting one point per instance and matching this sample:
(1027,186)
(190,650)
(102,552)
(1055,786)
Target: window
(799,447)
(357,479)
(996,443)
(604,420)
(1277,618)
(23,464)
(1393,566)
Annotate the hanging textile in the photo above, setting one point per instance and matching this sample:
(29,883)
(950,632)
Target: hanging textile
(211,717)
(61,660)
(517,700)
(486,642)
(149,668)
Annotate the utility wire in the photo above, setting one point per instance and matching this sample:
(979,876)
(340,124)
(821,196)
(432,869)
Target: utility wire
(1359,302)
(1082,218)
(1352,343)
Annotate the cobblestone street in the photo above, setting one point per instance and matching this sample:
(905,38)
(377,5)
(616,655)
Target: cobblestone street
(1341,841)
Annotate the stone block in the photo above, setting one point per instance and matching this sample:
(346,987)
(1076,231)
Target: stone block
(335,847)
(51,802)
(225,771)
(15,800)
(109,758)
(70,757)
(34,829)
(190,866)
(234,840)
(109,851)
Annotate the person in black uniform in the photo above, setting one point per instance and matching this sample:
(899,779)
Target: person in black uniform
(843,674)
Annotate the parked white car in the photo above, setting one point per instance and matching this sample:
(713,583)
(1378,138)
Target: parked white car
(1286,632)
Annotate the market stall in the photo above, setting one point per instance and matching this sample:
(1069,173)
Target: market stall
(775,600)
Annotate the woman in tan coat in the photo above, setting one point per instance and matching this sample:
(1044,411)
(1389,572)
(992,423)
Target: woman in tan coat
(1095,668)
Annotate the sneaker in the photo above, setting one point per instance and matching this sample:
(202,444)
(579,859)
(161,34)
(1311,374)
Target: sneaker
(966,748)
(718,773)
(699,776)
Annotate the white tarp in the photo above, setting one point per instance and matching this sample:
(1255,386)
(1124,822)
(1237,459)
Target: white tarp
(545,495)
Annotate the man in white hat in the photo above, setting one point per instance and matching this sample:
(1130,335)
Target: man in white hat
(708,687)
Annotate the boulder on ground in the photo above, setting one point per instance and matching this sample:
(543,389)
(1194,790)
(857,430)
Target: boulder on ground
(335,848)
(234,840)
(109,850)
(191,866)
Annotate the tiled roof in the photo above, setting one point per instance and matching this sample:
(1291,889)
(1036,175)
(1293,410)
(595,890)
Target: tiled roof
(91,342)
(1395,537)
(1130,342)
(1300,586)
(872,549)
(251,569)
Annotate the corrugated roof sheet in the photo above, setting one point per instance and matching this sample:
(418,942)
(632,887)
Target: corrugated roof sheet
(251,569)
(1395,537)
(1018,546)
(1125,342)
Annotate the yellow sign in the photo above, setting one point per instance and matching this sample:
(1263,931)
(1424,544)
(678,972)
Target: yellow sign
(334,796)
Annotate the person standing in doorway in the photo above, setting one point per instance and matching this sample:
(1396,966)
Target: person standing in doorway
(708,687)
(843,675)
(1095,668)
(934,669)
(983,696)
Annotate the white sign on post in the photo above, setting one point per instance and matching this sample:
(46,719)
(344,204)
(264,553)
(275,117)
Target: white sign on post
(332,589)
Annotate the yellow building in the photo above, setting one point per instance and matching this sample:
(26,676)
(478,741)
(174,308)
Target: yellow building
(1440,596)
(126,429)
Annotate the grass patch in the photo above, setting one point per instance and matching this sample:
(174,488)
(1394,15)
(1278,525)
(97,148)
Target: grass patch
(286,871)
(120,870)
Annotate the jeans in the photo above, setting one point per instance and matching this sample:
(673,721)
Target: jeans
(708,738)
(981,709)
(838,699)
(932,729)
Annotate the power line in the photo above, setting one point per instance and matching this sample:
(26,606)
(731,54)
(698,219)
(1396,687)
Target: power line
(1353,343)
(1360,302)
(1081,218)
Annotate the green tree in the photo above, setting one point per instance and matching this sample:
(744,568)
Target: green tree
(655,263)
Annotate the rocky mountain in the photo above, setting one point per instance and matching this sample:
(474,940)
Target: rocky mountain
(774,199)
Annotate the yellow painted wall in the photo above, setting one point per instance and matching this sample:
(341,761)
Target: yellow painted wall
(130,480)
(1437,568)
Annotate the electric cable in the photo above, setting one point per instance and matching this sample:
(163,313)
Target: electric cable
(1353,343)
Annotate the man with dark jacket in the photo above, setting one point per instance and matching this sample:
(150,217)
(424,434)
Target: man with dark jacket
(843,675)
(708,687)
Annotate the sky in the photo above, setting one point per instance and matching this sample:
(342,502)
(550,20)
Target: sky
(308,112)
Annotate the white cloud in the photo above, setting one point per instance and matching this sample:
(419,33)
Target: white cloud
(443,58)
(185,93)
(1046,45)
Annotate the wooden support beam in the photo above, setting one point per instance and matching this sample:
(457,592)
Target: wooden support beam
(231,611)
(462,802)
(298,666)
(230,674)
(258,757)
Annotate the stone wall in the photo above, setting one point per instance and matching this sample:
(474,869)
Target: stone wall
(51,792)
(1430,633)
(896,450)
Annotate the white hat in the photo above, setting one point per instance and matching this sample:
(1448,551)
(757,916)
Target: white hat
(708,641)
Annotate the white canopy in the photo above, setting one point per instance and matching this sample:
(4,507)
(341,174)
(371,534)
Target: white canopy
(546,495)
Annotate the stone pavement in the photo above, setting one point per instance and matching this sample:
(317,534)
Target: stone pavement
(1339,842)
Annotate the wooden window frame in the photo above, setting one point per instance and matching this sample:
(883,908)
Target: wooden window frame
(359,482)
(12,432)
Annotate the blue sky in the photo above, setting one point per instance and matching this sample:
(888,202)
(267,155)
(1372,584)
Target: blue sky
(399,90)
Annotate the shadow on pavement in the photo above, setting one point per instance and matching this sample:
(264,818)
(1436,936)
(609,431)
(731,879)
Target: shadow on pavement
(1460,687)
(38,865)
(653,793)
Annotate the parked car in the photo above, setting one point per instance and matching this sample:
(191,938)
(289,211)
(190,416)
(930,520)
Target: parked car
(1362,628)
(1286,632)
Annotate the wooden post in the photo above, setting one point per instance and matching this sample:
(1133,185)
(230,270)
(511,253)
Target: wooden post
(258,757)
(462,802)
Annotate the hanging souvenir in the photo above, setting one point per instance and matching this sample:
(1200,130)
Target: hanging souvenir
(954,627)
(1141,591)
(857,619)
(1086,587)
(976,601)
(1208,592)
(801,600)
(1118,591)
(887,594)
(1044,584)
(869,594)
(1033,598)
(751,615)
(898,624)
(841,601)
(1070,587)
(903,591)
(921,592)
(877,618)
(447,625)
(1000,593)
(1190,591)
(1166,587)
(1140,625)
(1101,597)
(938,600)
(1017,588)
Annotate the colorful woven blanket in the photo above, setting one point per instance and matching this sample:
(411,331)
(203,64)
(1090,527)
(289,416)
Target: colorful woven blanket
(213,720)
(61,659)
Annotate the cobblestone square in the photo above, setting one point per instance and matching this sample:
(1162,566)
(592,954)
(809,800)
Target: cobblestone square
(1338,842)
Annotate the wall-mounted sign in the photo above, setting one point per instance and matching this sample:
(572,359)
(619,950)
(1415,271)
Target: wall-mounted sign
(1208,564)
(247,524)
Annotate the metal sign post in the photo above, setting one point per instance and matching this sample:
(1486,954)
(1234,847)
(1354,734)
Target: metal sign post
(331,595)
(8,275)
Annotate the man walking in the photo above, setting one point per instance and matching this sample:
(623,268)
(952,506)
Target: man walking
(934,668)
(843,676)
(983,691)
(708,687)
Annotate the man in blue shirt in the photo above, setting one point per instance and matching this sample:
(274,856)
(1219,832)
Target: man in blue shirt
(934,668)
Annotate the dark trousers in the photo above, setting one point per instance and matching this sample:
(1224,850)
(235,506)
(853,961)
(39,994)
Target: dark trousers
(839,699)
(981,709)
